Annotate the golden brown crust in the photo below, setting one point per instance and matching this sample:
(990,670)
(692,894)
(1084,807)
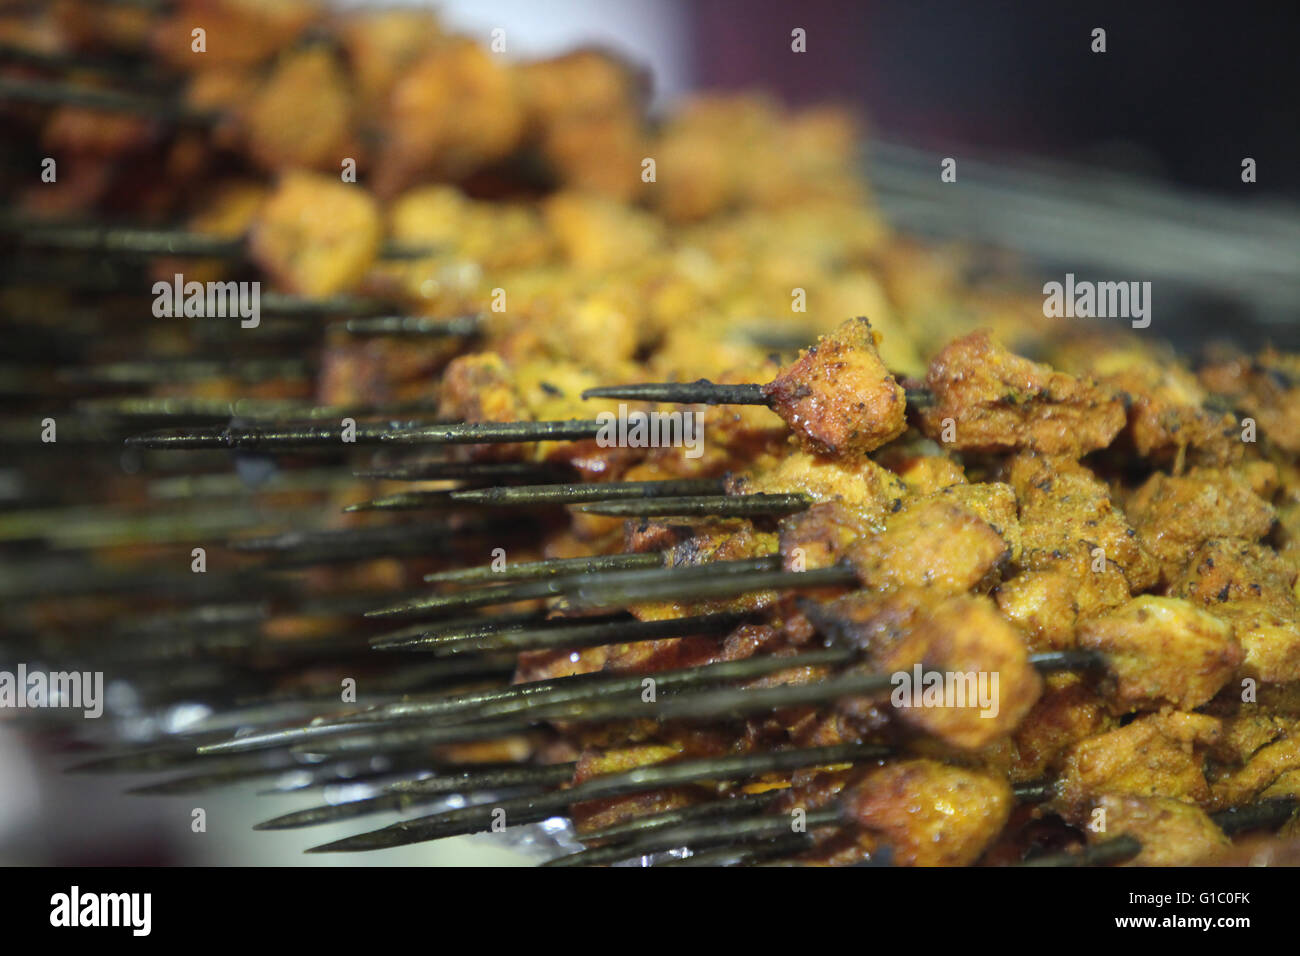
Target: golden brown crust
(987,399)
(838,397)
(929,813)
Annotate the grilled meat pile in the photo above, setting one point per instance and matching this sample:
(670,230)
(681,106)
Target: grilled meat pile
(743,640)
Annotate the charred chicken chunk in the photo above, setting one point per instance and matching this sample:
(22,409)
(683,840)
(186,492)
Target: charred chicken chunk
(929,813)
(988,399)
(1252,588)
(1159,755)
(238,32)
(1172,833)
(1065,510)
(860,484)
(1170,413)
(838,396)
(455,110)
(934,543)
(315,235)
(1263,769)
(1069,711)
(1267,387)
(1175,515)
(1163,652)
(963,641)
(283,134)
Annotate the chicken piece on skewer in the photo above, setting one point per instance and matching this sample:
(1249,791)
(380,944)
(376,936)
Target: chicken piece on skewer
(839,398)
(381,45)
(1172,832)
(1170,413)
(1159,755)
(1163,652)
(929,813)
(315,235)
(1251,588)
(457,109)
(585,114)
(1080,557)
(237,32)
(955,541)
(961,636)
(1176,515)
(1065,509)
(858,483)
(281,135)
(723,153)
(1273,767)
(1266,387)
(989,399)
(1070,710)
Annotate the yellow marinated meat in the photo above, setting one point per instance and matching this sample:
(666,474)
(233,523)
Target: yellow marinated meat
(1264,767)
(933,543)
(282,135)
(316,235)
(1170,414)
(1158,755)
(985,683)
(1000,484)
(381,45)
(452,111)
(1172,832)
(1266,387)
(1163,652)
(1175,515)
(1068,711)
(986,398)
(838,398)
(929,813)
(1067,512)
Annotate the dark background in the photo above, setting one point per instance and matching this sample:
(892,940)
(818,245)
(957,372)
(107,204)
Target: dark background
(1184,91)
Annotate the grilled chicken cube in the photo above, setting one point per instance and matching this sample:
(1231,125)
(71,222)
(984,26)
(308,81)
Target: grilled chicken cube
(986,398)
(1163,652)
(283,134)
(872,491)
(929,813)
(961,640)
(1175,515)
(1267,387)
(455,110)
(1264,768)
(838,396)
(933,543)
(1068,711)
(1172,832)
(1252,588)
(1159,755)
(381,46)
(238,32)
(1066,510)
(316,236)
(1045,605)
(1171,415)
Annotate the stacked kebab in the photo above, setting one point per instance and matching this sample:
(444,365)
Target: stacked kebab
(670,650)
